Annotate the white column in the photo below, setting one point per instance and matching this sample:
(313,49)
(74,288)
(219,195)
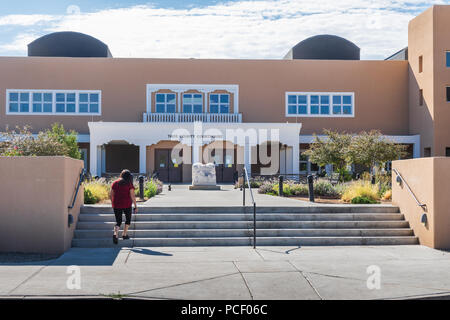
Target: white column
(283,162)
(103,162)
(93,159)
(248,156)
(296,158)
(142,158)
(98,163)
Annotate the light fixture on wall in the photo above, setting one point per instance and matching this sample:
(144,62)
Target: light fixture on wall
(70,220)
(424,219)
(399,180)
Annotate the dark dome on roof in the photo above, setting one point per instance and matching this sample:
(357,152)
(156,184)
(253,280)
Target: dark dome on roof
(324,47)
(68,44)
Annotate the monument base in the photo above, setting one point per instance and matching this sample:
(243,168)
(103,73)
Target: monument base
(199,187)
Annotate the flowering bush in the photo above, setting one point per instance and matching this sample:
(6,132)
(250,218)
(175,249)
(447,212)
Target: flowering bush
(54,142)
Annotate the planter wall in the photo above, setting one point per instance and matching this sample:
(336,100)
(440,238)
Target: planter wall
(429,180)
(35,194)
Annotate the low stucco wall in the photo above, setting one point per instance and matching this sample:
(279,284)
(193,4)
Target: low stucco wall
(34,195)
(429,180)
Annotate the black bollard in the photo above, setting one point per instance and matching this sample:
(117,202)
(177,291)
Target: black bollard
(311,187)
(280,186)
(141,187)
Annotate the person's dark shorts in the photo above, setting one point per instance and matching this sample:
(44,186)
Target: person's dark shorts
(118,213)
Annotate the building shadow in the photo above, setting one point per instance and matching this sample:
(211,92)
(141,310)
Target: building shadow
(150,252)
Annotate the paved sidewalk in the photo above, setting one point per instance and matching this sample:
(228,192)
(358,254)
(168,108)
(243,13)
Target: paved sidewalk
(181,196)
(236,273)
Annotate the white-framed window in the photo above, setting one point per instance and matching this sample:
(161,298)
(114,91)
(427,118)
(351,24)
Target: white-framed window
(320,104)
(192,103)
(219,103)
(55,102)
(165,102)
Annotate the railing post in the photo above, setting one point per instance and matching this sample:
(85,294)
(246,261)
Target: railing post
(243,188)
(280,186)
(254,225)
(311,187)
(141,187)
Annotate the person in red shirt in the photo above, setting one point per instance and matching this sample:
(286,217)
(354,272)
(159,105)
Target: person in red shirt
(122,196)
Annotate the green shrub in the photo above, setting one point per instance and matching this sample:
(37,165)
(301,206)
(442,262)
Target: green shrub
(363,200)
(325,188)
(96,190)
(299,190)
(152,188)
(89,197)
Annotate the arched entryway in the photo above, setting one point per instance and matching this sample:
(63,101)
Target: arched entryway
(119,155)
(170,161)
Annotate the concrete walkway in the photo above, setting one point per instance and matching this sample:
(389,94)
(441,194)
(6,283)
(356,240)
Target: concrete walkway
(236,273)
(227,196)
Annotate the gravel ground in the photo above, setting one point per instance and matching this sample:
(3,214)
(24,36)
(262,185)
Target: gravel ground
(15,257)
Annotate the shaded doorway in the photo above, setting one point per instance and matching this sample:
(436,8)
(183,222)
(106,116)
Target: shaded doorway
(167,169)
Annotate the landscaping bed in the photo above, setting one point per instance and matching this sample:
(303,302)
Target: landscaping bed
(98,191)
(360,191)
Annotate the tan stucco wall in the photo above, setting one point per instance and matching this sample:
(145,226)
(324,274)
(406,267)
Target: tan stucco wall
(429,180)
(381,87)
(428,36)
(34,203)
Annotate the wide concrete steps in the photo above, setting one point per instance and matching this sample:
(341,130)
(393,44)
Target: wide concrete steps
(109,217)
(233,226)
(247,241)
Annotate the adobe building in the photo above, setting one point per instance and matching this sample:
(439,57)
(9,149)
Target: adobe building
(131,112)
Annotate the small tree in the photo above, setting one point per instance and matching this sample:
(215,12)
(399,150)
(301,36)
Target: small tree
(21,142)
(333,150)
(54,142)
(371,149)
(67,138)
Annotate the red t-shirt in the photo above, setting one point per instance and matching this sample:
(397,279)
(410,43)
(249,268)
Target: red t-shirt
(121,198)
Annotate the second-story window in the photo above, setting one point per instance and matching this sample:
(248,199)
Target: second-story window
(447,59)
(219,103)
(319,104)
(192,103)
(56,102)
(165,103)
(65,102)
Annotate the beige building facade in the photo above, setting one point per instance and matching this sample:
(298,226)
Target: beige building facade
(129,112)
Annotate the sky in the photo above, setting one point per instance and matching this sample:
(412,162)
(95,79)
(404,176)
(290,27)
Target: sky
(260,29)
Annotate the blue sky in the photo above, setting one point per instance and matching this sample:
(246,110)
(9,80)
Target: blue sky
(209,28)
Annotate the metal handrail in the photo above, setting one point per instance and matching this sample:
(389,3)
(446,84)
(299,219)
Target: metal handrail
(422,205)
(245,176)
(80,181)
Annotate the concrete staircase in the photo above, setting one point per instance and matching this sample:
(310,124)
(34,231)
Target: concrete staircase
(231,226)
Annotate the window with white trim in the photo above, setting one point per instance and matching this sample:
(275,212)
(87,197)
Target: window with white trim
(319,104)
(166,103)
(192,103)
(219,103)
(53,102)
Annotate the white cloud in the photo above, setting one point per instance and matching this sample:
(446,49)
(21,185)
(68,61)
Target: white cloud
(25,19)
(246,29)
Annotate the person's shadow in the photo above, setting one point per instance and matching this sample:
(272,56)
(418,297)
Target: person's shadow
(150,252)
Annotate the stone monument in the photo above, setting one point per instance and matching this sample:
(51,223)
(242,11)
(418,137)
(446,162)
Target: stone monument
(204,177)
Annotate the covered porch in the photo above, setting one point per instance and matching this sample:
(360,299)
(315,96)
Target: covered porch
(170,149)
